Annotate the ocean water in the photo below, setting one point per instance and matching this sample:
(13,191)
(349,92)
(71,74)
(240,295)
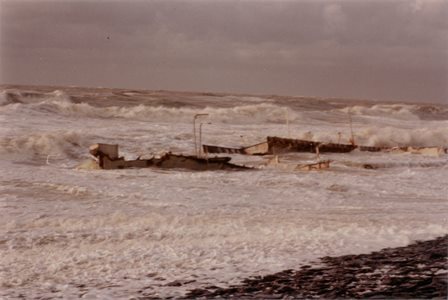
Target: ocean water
(76,232)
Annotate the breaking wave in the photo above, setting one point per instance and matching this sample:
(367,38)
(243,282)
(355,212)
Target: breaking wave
(8,98)
(238,109)
(400,111)
(244,114)
(390,137)
(26,97)
(384,137)
(69,144)
(431,112)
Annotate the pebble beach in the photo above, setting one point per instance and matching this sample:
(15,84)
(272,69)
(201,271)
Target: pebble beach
(415,271)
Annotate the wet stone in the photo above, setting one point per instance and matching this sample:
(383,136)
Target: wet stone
(174,283)
(390,273)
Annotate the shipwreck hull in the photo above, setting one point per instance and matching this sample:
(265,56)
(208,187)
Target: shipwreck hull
(277,145)
(219,149)
(107,158)
(176,161)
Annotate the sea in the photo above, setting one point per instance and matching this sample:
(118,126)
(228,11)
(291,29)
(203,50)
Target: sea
(69,230)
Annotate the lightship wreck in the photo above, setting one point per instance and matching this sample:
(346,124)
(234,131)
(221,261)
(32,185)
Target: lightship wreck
(107,157)
(276,145)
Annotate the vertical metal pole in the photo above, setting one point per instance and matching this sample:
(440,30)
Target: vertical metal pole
(194,132)
(352,137)
(194,136)
(200,138)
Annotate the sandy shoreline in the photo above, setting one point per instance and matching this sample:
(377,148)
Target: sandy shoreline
(415,271)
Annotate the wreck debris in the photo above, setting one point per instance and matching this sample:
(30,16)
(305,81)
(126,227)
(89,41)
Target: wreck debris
(200,138)
(257,149)
(107,158)
(279,145)
(219,149)
(276,145)
(371,148)
(352,136)
(323,164)
(196,116)
(318,165)
(287,121)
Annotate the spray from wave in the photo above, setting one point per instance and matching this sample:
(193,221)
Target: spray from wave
(69,144)
(381,136)
(391,137)
(61,104)
(399,111)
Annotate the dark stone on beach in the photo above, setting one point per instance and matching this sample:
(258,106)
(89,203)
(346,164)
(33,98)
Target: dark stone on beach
(212,287)
(415,271)
(174,283)
(179,282)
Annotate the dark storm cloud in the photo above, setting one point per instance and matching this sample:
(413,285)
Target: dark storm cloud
(368,49)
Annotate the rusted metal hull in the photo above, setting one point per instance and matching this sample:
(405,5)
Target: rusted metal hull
(107,158)
(320,165)
(257,149)
(277,145)
(219,149)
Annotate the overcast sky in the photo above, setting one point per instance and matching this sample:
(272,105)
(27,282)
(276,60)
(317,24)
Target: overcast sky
(370,49)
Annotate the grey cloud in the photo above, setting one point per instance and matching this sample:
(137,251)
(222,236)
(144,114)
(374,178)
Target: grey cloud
(270,46)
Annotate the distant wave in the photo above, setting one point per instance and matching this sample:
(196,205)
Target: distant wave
(7,98)
(390,137)
(18,96)
(431,112)
(386,124)
(384,136)
(225,108)
(400,111)
(60,103)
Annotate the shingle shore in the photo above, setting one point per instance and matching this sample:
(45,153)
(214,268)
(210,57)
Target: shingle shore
(415,271)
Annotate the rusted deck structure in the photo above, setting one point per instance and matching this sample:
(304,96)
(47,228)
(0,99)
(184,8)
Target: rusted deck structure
(276,145)
(107,158)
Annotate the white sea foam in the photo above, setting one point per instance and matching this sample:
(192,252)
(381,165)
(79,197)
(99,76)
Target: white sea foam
(244,114)
(68,143)
(400,111)
(66,232)
(391,137)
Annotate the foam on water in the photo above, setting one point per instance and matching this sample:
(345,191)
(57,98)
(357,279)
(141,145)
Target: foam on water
(399,111)
(68,232)
(58,143)
(242,114)
(396,111)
